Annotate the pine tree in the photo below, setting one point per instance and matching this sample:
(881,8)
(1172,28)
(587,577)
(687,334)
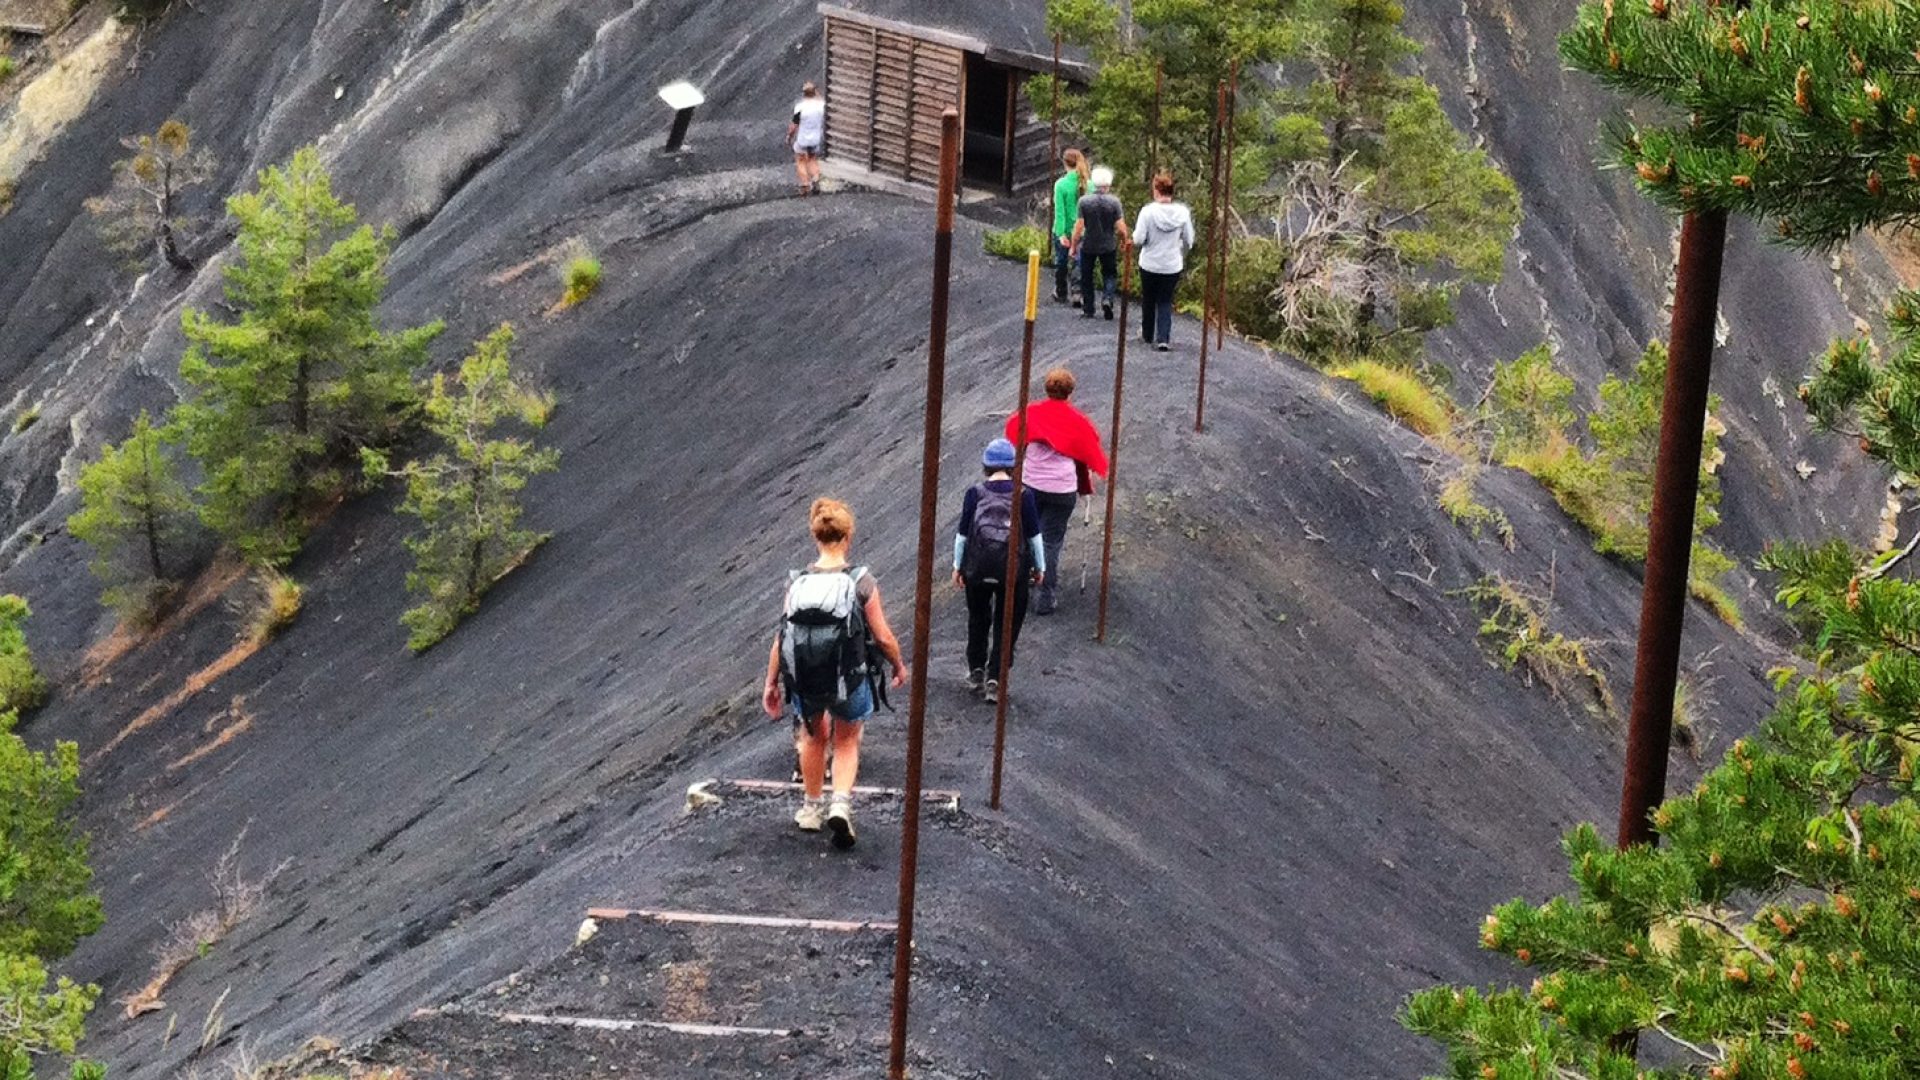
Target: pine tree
(46,905)
(305,378)
(1197,43)
(467,496)
(141,210)
(135,512)
(21,687)
(1387,207)
(1803,113)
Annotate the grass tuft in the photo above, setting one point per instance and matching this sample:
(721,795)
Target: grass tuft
(1402,394)
(581,276)
(279,606)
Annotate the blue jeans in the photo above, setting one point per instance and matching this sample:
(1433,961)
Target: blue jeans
(1062,266)
(1156,297)
(1109,263)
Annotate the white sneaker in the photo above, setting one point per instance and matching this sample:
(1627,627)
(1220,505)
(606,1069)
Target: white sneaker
(840,823)
(991,692)
(810,816)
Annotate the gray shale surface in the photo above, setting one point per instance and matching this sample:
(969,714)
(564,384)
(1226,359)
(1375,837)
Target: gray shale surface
(1279,799)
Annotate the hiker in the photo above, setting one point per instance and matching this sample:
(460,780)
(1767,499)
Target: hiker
(823,670)
(1165,235)
(806,134)
(1066,208)
(980,565)
(1063,456)
(1097,234)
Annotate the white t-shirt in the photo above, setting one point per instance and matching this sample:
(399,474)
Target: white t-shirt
(811,115)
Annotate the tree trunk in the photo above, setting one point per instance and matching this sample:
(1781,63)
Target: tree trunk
(150,526)
(300,379)
(170,250)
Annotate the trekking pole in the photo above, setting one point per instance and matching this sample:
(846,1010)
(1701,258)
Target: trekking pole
(1226,212)
(923,584)
(1015,541)
(1206,288)
(1113,437)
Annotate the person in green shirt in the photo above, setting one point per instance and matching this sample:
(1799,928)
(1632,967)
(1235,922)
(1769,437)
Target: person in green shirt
(1066,210)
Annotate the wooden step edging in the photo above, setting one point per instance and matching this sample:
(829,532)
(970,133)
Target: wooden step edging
(772,922)
(702,793)
(596,1023)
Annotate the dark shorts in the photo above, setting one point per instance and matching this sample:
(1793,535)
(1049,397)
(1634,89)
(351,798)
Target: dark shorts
(857,707)
(806,150)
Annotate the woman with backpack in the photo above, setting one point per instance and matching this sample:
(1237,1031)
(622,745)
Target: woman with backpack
(822,669)
(1063,456)
(980,565)
(1165,235)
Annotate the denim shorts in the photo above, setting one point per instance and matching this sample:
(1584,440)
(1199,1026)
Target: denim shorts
(857,707)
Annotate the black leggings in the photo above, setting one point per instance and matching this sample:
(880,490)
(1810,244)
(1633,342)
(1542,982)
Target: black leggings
(984,615)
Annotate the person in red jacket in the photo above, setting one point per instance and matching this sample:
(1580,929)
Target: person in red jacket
(1063,456)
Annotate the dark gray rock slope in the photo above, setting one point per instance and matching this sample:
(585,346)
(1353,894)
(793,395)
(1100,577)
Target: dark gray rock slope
(1278,800)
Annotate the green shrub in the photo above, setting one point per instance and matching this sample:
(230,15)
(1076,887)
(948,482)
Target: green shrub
(135,513)
(1016,242)
(1530,403)
(581,277)
(1610,490)
(1516,624)
(7,67)
(21,687)
(1402,394)
(1460,503)
(280,600)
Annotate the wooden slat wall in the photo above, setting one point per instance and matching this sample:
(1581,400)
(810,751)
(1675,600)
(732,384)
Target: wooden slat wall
(885,93)
(1032,144)
(849,90)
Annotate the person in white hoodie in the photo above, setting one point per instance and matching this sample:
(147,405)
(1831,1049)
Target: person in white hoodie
(1164,235)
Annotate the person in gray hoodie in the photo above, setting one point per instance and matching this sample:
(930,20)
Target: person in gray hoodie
(1164,234)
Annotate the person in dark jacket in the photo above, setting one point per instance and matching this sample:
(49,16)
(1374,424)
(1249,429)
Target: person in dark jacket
(979,565)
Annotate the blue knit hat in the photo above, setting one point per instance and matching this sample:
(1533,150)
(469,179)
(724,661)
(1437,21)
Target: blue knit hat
(999,455)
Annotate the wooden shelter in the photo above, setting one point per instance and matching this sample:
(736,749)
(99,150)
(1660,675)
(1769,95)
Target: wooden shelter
(888,82)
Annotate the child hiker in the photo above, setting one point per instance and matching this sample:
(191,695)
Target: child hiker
(980,565)
(823,667)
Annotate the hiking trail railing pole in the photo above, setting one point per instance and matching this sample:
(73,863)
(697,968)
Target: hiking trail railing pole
(1113,434)
(1016,542)
(1226,213)
(1206,287)
(1676,484)
(1053,144)
(1153,140)
(923,583)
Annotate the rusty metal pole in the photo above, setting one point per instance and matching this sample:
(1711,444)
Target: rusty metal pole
(1053,146)
(1113,435)
(1226,213)
(1015,542)
(1153,140)
(923,584)
(1206,287)
(1676,484)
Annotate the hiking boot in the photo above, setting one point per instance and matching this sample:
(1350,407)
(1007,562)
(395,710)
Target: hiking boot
(810,815)
(840,823)
(1106,309)
(976,680)
(990,692)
